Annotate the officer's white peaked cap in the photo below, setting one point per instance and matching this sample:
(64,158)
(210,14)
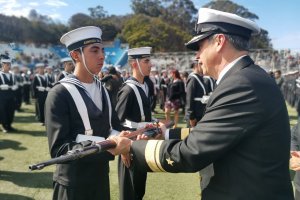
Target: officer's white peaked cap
(212,21)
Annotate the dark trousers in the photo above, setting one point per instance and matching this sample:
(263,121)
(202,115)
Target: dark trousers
(18,98)
(26,94)
(132,183)
(153,103)
(96,188)
(40,104)
(7,112)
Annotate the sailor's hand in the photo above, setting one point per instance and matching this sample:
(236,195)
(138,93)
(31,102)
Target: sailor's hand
(163,128)
(142,137)
(123,145)
(124,133)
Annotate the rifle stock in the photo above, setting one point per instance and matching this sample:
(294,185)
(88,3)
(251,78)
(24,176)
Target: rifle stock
(93,149)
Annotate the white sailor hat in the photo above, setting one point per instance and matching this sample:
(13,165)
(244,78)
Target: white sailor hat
(5,60)
(212,21)
(39,65)
(118,68)
(81,36)
(15,65)
(66,59)
(141,52)
(154,69)
(49,67)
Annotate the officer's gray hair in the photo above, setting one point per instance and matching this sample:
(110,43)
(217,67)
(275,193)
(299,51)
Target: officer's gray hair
(238,42)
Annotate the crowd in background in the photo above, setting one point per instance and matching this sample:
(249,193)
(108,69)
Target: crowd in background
(167,84)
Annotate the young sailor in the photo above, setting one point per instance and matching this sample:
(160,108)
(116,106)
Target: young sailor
(78,112)
(134,109)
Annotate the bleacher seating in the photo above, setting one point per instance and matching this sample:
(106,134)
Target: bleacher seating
(116,55)
(60,51)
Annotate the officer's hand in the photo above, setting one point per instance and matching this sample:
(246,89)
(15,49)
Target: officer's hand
(193,122)
(295,163)
(123,145)
(126,158)
(295,153)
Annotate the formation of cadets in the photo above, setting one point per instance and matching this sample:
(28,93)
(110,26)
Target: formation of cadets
(169,90)
(20,84)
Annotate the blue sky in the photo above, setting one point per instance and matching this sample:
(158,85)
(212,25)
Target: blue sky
(278,17)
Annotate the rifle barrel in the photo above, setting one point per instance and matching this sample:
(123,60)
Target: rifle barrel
(75,154)
(80,153)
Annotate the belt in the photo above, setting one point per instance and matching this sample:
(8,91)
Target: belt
(43,89)
(131,124)
(203,100)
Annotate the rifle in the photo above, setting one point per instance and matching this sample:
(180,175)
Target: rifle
(94,148)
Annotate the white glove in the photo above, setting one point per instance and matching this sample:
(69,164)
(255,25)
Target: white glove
(40,88)
(4,87)
(14,87)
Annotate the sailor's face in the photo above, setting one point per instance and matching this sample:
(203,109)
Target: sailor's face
(145,64)
(6,67)
(69,66)
(41,70)
(94,57)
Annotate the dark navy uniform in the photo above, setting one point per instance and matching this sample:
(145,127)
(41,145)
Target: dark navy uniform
(62,75)
(63,124)
(39,92)
(132,181)
(151,92)
(7,99)
(163,85)
(244,132)
(50,79)
(26,88)
(19,92)
(197,86)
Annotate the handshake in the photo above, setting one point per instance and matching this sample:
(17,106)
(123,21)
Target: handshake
(124,140)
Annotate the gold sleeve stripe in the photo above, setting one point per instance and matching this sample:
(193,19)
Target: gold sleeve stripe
(184,133)
(151,154)
(157,158)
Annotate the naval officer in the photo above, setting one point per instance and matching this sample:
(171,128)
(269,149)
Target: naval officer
(245,130)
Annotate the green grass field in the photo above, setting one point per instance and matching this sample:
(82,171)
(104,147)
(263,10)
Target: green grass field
(29,146)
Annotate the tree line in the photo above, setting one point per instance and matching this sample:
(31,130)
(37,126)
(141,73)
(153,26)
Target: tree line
(163,24)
